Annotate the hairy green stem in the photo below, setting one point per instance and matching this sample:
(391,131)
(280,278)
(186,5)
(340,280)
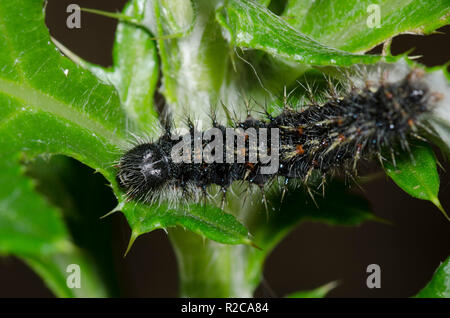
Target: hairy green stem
(210,269)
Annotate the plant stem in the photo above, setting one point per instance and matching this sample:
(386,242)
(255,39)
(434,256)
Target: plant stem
(210,269)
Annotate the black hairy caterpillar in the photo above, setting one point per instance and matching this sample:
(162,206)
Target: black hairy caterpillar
(362,123)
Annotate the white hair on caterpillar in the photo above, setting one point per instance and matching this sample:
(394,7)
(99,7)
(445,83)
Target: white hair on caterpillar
(438,95)
(439,117)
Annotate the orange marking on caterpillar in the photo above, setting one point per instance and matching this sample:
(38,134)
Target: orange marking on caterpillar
(299,150)
(250,165)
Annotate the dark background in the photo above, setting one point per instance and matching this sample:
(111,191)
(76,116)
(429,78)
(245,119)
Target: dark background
(407,251)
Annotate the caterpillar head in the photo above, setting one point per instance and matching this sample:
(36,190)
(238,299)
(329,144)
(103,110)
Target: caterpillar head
(142,169)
